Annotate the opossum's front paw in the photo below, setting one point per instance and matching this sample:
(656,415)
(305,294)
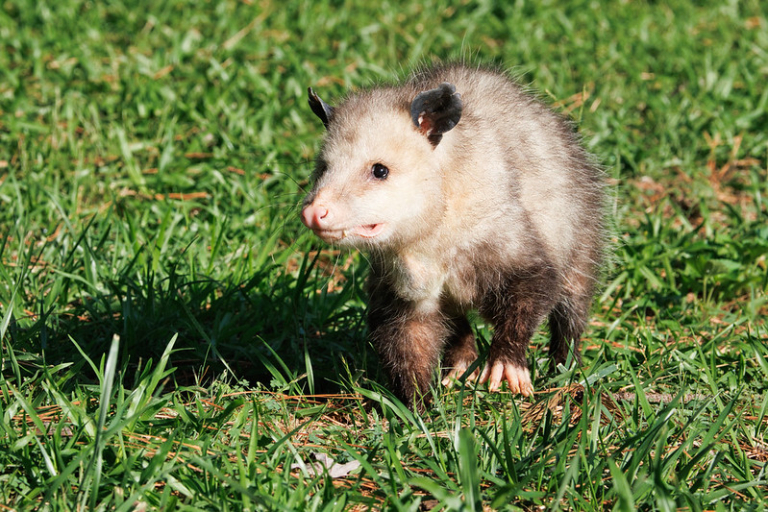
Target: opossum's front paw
(518,379)
(455,373)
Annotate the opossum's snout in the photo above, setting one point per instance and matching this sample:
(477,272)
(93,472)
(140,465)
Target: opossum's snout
(327,224)
(316,217)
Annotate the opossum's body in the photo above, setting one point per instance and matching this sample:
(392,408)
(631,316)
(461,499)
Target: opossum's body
(468,194)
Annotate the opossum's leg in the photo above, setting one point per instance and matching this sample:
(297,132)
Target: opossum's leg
(516,310)
(460,350)
(408,342)
(566,323)
(569,317)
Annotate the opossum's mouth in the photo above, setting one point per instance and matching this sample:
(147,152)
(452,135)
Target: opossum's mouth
(336,235)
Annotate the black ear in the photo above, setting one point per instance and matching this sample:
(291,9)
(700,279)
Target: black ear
(436,111)
(321,109)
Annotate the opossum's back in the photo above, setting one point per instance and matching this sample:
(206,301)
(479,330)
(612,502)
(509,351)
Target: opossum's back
(498,111)
(527,151)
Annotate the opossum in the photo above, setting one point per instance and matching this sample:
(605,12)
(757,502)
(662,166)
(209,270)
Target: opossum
(468,193)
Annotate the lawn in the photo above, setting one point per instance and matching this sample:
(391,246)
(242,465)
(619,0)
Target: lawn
(171,336)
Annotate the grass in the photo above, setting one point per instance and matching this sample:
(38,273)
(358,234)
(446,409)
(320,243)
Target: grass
(172,338)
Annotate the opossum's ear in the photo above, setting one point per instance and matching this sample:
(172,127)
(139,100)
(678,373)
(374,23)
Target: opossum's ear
(436,111)
(321,109)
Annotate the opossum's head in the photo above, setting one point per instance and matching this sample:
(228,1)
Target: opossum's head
(378,179)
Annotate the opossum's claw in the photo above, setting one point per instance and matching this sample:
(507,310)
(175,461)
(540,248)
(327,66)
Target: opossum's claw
(455,373)
(518,379)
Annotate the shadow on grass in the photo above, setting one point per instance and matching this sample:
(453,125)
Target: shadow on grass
(275,329)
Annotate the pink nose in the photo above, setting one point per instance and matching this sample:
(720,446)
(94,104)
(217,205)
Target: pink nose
(315,216)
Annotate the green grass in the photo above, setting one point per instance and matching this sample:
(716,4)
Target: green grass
(172,338)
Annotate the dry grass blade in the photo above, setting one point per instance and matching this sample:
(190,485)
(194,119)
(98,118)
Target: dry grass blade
(568,401)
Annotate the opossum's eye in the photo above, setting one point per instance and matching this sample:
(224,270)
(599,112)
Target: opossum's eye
(379,171)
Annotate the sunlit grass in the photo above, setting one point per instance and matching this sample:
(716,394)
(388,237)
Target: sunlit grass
(171,338)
